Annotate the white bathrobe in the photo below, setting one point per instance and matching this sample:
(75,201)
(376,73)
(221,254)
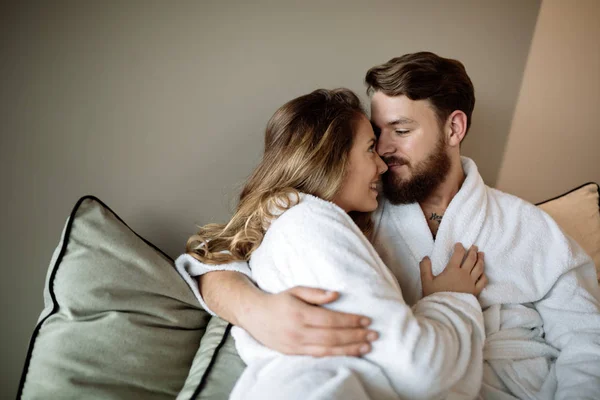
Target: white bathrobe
(542,305)
(422,353)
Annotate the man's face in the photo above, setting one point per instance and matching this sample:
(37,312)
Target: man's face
(412,144)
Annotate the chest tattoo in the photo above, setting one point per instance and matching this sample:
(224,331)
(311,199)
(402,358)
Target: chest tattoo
(435,217)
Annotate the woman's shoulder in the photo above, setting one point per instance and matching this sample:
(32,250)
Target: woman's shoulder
(313,226)
(311,212)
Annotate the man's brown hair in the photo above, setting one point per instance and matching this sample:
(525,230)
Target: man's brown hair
(426,76)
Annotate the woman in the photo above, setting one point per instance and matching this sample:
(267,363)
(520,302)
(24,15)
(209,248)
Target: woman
(303,220)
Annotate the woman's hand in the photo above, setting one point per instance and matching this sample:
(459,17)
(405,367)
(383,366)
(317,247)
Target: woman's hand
(463,274)
(292,322)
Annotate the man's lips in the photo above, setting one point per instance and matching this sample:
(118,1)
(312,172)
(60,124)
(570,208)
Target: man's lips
(395,165)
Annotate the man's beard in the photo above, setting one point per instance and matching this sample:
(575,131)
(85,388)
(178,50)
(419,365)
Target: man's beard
(426,177)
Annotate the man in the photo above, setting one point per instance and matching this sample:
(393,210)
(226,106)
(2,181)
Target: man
(542,304)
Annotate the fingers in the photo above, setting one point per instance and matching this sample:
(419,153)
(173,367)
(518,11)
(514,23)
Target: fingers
(481,284)
(470,259)
(477,270)
(324,318)
(313,295)
(337,337)
(354,350)
(457,256)
(426,273)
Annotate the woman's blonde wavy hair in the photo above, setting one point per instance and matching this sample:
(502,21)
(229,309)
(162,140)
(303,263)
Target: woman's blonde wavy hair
(307,146)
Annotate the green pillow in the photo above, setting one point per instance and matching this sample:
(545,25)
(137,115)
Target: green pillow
(217,365)
(119,321)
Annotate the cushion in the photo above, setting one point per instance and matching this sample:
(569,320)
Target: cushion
(577,212)
(217,365)
(119,322)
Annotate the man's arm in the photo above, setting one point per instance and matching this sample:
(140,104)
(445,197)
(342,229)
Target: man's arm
(291,322)
(571,315)
(228,294)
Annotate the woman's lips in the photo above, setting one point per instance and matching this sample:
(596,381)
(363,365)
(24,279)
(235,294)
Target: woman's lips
(374,186)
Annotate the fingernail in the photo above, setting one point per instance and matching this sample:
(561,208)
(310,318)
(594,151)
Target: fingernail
(365,321)
(364,349)
(372,336)
(329,293)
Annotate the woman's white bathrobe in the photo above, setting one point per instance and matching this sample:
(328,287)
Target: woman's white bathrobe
(423,352)
(542,305)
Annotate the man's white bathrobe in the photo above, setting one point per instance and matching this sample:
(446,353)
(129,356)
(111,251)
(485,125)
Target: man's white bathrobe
(422,353)
(542,305)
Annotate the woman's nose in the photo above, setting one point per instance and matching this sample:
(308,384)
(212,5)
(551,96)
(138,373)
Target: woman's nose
(381,165)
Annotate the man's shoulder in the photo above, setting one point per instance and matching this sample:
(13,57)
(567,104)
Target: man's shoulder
(511,213)
(511,204)
(503,200)
(505,197)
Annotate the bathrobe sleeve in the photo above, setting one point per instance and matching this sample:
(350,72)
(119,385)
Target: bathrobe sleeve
(425,351)
(190,269)
(571,316)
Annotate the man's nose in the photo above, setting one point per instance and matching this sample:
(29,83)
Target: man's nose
(385,146)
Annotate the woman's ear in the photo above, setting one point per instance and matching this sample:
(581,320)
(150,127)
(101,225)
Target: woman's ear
(456,128)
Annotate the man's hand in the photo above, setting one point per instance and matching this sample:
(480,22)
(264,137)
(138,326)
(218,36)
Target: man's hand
(292,322)
(464,273)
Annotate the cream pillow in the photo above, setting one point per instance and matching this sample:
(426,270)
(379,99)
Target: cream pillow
(578,214)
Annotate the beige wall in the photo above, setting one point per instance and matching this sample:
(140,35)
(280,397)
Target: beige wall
(159,107)
(554,142)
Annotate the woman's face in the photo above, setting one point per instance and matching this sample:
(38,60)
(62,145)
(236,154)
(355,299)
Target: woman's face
(360,188)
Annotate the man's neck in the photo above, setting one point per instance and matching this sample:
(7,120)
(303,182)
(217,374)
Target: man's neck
(436,204)
(445,192)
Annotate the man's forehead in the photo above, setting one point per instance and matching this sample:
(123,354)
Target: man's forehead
(387,105)
(391,119)
(397,110)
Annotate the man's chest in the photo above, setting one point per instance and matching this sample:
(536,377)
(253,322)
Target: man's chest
(398,257)
(402,244)
(434,217)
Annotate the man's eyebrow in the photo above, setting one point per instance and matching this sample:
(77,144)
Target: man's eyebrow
(400,121)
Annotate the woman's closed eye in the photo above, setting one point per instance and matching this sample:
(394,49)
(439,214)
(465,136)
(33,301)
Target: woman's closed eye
(402,131)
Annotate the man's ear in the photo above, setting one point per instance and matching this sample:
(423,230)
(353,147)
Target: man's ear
(456,128)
